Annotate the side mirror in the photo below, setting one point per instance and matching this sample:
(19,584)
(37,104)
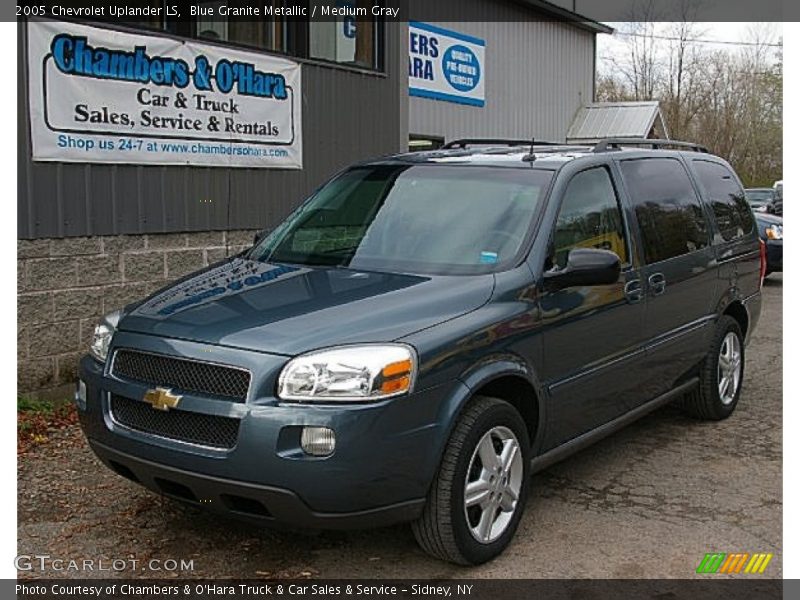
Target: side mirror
(586,266)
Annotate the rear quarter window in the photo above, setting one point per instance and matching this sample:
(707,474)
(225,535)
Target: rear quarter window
(727,198)
(670,216)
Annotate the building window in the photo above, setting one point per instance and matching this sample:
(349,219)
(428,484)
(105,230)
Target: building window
(155,22)
(246,31)
(349,40)
(353,41)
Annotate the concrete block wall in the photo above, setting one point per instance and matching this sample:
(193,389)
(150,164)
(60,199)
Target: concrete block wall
(65,285)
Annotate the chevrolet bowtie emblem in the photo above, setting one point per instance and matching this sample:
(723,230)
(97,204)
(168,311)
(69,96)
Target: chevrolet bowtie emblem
(161,398)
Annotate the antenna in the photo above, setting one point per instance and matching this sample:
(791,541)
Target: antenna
(531,156)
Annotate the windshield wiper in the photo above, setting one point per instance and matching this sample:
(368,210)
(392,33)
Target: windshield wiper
(339,250)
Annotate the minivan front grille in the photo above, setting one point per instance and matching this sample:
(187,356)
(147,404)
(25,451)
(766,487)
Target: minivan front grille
(184,426)
(182,374)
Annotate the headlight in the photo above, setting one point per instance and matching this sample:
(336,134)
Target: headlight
(775,232)
(349,374)
(103,334)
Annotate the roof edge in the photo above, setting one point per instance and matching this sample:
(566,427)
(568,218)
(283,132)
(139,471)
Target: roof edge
(562,14)
(622,103)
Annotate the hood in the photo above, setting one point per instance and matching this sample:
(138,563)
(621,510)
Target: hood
(289,309)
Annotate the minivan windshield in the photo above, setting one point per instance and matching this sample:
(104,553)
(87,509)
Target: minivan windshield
(426,219)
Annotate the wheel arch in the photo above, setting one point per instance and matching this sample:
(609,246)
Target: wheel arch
(733,303)
(507,377)
(737,310)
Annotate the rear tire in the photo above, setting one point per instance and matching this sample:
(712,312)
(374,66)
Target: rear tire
(478,496)
(721,374)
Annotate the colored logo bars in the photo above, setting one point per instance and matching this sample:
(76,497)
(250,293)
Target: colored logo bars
(741,562)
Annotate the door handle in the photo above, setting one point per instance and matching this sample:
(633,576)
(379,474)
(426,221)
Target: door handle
(657,283)
(633,291)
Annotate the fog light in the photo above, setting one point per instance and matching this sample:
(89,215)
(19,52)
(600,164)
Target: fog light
(318,441)
(80,395)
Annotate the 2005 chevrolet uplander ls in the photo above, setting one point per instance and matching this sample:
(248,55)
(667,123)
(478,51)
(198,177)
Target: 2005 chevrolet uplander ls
(427,330)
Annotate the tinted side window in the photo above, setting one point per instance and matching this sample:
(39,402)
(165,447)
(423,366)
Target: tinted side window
(589,217)
(731,211)
(669,213)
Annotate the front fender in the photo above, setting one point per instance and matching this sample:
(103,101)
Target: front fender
(495,366)
(483,372)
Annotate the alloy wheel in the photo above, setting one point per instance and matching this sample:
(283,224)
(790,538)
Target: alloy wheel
(493,484)
(729,368)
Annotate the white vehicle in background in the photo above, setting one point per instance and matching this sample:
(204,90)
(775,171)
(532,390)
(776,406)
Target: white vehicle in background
(778,202)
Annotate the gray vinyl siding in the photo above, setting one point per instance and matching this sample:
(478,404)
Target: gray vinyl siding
(538,74)
(68,199)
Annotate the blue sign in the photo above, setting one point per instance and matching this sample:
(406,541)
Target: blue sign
(445,65)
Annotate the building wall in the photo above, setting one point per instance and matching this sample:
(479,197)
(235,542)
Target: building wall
(93,238)
(65,285)
(67,199)
(538,73)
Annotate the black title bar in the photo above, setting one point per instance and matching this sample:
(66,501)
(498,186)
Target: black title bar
(591,12)
(708,587)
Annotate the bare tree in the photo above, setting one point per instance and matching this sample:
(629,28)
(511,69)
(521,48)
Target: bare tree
(728,98)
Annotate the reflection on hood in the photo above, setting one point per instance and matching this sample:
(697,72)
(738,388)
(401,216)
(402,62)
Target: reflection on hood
(226,279)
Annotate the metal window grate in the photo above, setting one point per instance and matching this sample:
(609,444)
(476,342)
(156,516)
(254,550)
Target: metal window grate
(185,426)
(182,374)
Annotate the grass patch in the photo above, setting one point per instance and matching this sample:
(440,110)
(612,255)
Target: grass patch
(41,407)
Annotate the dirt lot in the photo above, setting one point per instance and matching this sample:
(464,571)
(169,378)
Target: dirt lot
(647,502)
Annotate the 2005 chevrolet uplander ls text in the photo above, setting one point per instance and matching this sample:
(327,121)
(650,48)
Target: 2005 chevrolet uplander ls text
(427,330)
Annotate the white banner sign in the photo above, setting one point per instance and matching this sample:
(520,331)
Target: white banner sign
(445,65)
(98,95)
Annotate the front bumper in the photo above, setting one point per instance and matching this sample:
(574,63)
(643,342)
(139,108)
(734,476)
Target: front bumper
(247,501)
(385,459)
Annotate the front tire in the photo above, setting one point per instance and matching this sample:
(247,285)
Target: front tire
(479,494)
(721,374)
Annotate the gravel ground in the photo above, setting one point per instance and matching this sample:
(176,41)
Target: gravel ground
(647,502)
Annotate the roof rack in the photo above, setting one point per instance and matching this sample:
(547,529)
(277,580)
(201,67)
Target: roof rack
(611,144)
(466,142)
(553,148)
